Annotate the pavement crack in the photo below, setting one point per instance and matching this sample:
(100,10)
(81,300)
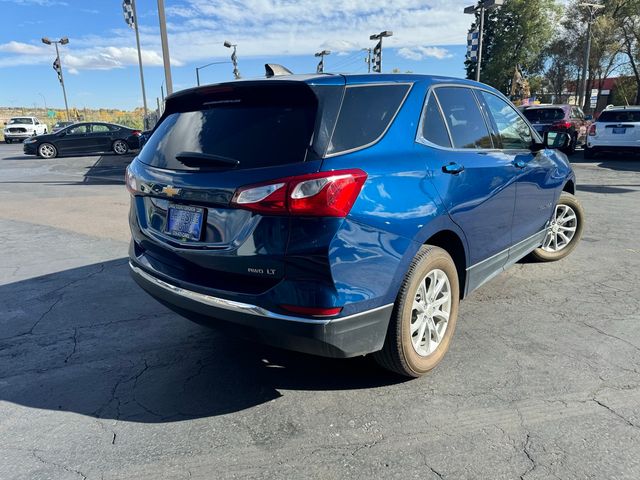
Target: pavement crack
(57,465)
(525,450)
(619,415)
(75,345)
(602,332)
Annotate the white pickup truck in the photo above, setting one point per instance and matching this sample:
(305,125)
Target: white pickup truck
(19,128)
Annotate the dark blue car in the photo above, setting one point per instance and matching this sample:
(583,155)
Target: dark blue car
(344,215)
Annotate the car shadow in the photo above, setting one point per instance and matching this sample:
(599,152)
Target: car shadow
(612,161)
(108,170)
(89,341)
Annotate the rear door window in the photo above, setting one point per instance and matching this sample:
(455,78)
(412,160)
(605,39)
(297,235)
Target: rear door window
(258,127)
(433,128)
(462,114)
(365,114)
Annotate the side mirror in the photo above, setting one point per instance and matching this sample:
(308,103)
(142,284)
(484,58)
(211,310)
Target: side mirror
(588,117)
(556,140)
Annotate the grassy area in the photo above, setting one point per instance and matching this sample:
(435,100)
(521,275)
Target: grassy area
(131,119)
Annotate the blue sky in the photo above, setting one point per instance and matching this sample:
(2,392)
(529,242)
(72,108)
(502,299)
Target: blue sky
(100,61)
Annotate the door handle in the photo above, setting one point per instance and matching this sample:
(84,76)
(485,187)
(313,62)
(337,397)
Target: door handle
(452,168)
(519,163)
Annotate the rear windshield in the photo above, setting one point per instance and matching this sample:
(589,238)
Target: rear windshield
(257,128)
(544,115)
(619,116)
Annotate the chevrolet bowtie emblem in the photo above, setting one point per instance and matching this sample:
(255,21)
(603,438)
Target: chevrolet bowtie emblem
(170,191)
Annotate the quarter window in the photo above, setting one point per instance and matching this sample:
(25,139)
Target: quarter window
(97,128)
(365,114)
(513,130)
(466,123)
(433,127)
(79,130)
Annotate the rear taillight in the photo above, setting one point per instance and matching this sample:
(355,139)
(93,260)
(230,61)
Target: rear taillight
(324,194)
(564,125)
(137,133)
(313,311)
(131,182)
(592,130)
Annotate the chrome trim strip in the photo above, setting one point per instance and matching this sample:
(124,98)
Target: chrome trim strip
(501,252)
(239,306)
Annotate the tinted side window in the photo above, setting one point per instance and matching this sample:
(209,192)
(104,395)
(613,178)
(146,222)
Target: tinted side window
(365,114)
(466,123)
(80,129)
(98,128)
(433,127)
(513,130)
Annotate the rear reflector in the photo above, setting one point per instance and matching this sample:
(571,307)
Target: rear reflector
(313,311)
(324,194)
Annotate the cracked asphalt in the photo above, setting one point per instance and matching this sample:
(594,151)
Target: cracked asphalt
(99,381)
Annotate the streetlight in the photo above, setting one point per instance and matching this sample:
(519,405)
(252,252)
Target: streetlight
(205,66)
(165,47)
(593,9)
(234,58)
(58,67)
(322,54)
(377,50)
(485,5)
(45,102)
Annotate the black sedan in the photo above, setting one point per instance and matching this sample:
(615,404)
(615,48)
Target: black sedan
(84,138)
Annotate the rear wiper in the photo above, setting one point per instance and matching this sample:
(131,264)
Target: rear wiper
(206,159)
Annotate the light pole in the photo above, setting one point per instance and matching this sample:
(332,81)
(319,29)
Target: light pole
(45,102)
(485,5)
(322,54)
(592,8)
(205,66)
(377,50)
(165,47)
(62,41)
(234,58)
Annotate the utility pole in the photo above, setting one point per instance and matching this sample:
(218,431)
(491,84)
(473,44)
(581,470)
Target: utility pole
(135,25)
(57,65)
(485,5)
(592,8)
(165,47)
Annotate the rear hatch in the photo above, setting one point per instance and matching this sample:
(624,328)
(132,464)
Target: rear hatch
(619,126)
(543,119)
(209,142)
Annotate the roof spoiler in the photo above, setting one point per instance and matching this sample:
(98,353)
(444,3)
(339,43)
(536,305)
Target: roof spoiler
(275,70)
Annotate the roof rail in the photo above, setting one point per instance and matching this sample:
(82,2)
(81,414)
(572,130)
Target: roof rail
(275,70)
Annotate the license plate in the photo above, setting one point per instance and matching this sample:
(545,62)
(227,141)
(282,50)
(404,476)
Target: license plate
(184,221)
(619,131)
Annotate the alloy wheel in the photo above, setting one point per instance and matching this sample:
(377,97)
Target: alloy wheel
(562,229)
(47,151)
(430,312)
(120,147)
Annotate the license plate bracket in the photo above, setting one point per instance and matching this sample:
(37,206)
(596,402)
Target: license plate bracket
(619,131)
(184,221)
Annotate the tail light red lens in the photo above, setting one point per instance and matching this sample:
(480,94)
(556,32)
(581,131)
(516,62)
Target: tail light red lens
(313,311)
(324,194)
(562,124)
(137,133)
(131,182)
(592,130)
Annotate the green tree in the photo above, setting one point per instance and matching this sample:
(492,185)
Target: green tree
(515,34)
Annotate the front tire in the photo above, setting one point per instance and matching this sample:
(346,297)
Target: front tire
(46,150)
(565,230)
(424,316)
(8,140)
(120,147)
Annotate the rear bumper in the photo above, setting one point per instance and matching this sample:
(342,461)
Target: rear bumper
(341,337)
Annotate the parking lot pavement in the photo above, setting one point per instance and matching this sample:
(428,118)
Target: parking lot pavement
(99,381)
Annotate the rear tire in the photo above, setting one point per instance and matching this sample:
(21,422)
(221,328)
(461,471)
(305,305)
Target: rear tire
(424,316)
(120,147)
(564,232)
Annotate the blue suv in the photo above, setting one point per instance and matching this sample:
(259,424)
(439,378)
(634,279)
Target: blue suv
(344,215)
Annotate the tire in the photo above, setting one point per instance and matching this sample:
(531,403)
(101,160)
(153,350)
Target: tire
(46,150)
(120,147)
(7,140)
(589,153)
(400,352)
(567,206)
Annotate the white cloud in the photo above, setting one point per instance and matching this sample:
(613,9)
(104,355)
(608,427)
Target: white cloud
(419,53)
(39,3)
(22,48)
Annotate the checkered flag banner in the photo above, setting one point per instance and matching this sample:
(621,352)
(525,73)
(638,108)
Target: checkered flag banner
(127,10)
(472,45)
(377,57)
(320,68)
(56,67)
